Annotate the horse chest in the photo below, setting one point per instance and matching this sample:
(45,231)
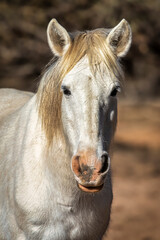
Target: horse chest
(71,223)
(46,217)
(63,222)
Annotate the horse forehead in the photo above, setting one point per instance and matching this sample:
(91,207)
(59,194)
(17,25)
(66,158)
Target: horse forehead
(81,75)
(80,71)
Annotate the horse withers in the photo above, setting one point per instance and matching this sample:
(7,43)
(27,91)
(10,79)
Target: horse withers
(55,176)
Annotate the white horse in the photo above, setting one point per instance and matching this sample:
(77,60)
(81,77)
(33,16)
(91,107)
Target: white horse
(55,177)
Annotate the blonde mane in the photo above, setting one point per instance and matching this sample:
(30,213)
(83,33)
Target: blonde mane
(92,44)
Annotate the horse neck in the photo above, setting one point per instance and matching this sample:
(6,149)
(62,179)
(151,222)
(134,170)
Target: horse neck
(56,157)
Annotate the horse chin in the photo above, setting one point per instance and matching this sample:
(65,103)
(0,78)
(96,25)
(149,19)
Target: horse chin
(90,189)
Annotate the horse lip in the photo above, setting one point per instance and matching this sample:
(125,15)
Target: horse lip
(90,189)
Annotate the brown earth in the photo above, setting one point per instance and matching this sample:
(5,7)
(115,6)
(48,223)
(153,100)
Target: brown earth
(136,174)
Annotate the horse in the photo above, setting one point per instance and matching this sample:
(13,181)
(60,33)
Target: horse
(55,145)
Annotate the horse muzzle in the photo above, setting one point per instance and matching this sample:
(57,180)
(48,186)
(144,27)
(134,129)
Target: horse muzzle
(90,171)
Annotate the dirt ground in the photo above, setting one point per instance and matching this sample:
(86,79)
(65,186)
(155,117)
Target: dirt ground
(136,173)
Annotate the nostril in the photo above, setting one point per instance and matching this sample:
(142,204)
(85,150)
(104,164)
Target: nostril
(105,163)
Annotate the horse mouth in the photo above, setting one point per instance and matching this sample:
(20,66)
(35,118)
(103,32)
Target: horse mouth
(90,189)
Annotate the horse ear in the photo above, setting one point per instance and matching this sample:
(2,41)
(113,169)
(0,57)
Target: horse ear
(120,38)
(58,38)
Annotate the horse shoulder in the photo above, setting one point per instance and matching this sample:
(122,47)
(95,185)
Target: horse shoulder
(11,100)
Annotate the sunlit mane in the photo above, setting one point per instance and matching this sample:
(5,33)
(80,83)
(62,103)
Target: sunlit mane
(93,44)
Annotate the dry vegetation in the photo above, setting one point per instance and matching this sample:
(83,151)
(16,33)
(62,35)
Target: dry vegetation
(24,51)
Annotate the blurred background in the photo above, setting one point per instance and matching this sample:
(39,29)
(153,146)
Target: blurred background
(136,163)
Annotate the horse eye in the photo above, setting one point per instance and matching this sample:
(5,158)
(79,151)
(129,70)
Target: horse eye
(66,91)
(114,92)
